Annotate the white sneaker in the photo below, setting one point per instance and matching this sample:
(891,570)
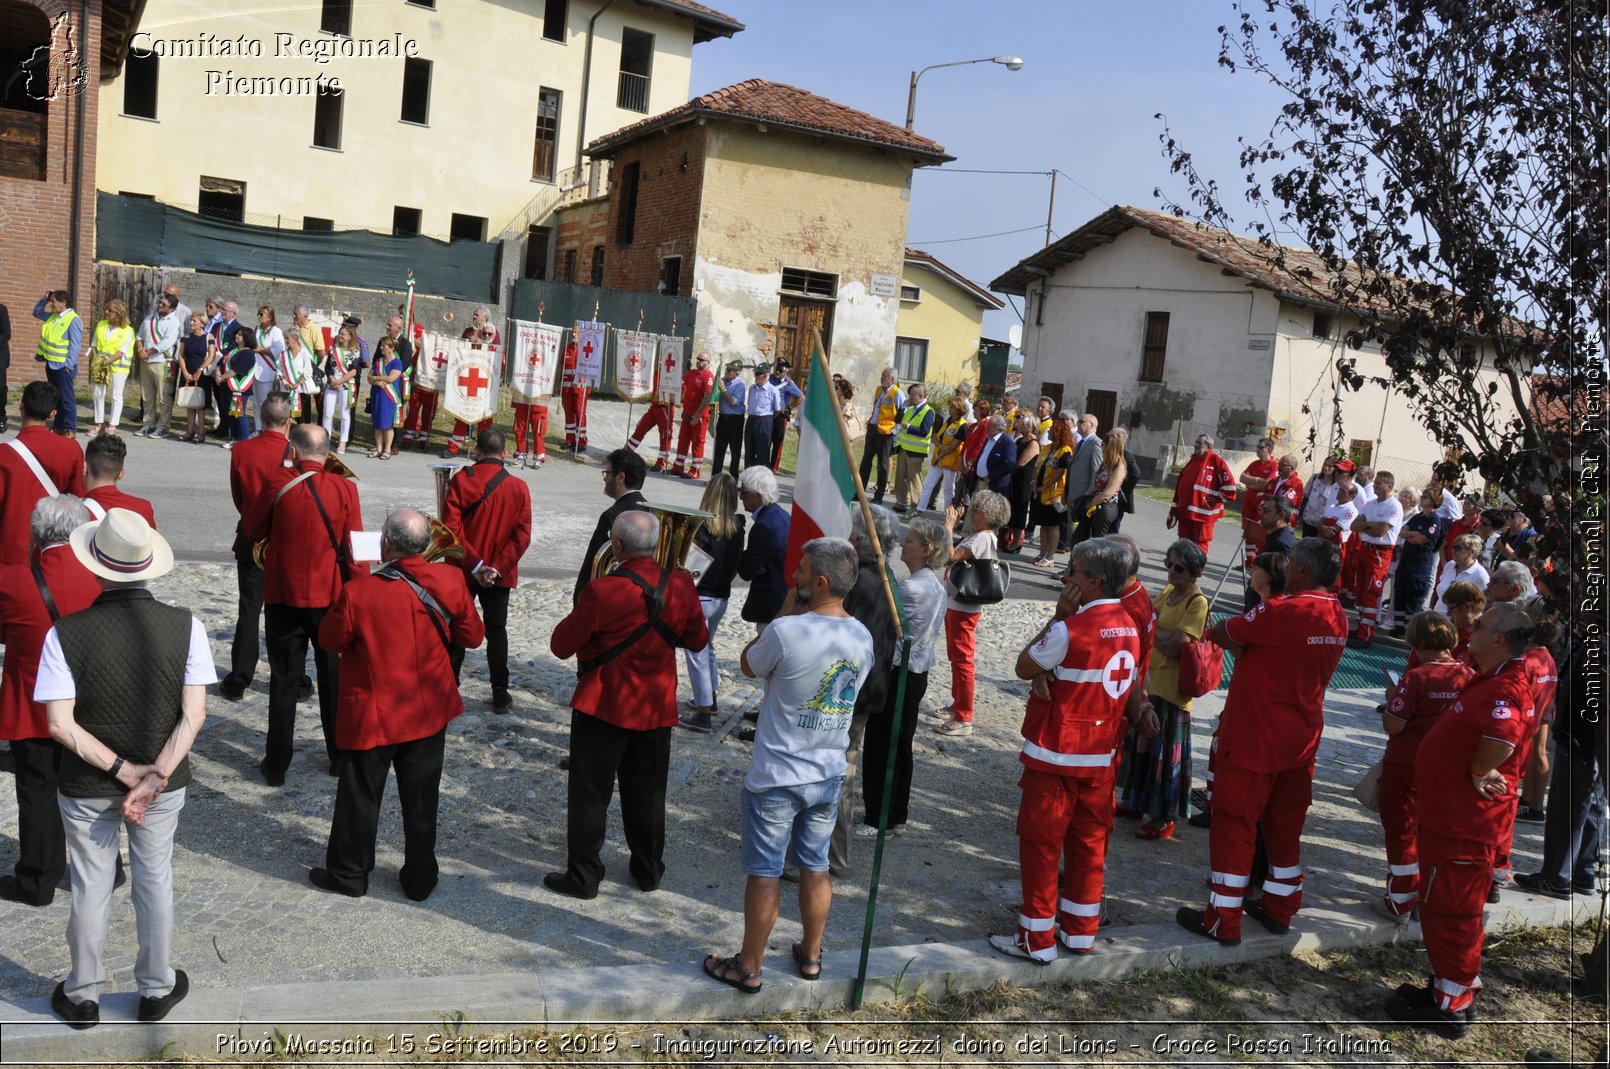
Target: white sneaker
(866,831)
(1380,906)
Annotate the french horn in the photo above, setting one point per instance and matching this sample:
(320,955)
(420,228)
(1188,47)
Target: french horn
(332,464)
(678,525)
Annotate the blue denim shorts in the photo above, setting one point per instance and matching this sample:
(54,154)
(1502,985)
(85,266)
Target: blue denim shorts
(802,816)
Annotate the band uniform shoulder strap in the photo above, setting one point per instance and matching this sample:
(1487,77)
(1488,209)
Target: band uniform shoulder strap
(654,598)
(44,593)
(433,608)
(491,485)
(34,466)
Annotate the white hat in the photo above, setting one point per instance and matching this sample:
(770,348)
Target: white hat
(122,548)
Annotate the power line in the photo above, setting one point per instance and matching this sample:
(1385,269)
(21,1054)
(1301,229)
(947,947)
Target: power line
(982,170)
(979,237)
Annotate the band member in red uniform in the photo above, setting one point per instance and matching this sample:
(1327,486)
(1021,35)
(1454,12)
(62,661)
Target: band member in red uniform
(35,464)
(696,387)
(573,395)
(1286,650)
(1425,692)
(307,515)
(1205,484)
(252,464)
(103,470)
(484,335)
(407,613)
(1467,773)
(1260,478)
(1091,653)
(1375,534)
(25,618)
(490,512)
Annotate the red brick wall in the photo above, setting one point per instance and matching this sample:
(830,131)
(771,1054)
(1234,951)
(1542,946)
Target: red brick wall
(670,183)
(580,228)
(36,217)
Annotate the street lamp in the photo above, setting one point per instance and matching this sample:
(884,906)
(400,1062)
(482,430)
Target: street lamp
(1011,63)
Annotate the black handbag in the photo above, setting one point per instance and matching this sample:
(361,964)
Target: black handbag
(980,582)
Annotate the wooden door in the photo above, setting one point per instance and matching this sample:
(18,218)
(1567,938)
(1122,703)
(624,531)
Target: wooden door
(795,318)
(1103,404)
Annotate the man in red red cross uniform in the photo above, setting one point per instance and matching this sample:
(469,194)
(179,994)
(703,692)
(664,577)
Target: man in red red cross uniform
(1205,484)
(696,387)
(1467,773)
(1090,654)
(530,428)
(35,464)
(1286,650)
(1375,534)
(483,335)
(1260,478)
(657,418)
(573,396)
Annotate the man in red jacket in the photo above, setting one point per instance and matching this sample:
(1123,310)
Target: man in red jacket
(407,613)
(624,632)
(490,512)
(1286,651)
(1091,652)
(308,515)
(573,396)
(33,465)
(25,618)
(1467,772)
(252,464)
(696,387)
(103,470)
(1204,485)
(1260,478)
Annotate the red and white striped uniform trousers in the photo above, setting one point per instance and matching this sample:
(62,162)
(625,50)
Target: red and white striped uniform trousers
(1455,876)
(1369,563)
(531,427)
(657,418)
(1242,800)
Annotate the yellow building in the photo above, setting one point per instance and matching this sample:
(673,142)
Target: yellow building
(940,323)
(450,118)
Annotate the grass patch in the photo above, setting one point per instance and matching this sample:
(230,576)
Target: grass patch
(1157,493)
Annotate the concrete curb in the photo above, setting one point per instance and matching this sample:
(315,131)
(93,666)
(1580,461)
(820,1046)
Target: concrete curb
(235,1023)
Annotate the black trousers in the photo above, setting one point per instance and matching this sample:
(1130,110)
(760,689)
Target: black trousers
(290,631)
(248,607)
(4,397)
(729,436)
(41,845)
(601,753)
(875,750)
(757,441)
(779,431)
(495,614)
(877,448)
(350,854)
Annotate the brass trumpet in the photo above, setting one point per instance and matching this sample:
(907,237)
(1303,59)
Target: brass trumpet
(677,527)
(332,464)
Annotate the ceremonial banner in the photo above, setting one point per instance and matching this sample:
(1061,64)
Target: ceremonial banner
(589,353)
(434,352)
(470,380)
(824,488)
(533,360)
(634,364)
(668,387)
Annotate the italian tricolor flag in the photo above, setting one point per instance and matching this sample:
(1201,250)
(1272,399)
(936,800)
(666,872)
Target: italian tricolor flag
(824,486)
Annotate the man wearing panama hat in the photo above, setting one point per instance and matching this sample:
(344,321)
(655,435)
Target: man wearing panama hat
(123,686)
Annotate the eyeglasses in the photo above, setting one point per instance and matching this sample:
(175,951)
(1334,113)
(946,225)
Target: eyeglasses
(1175,566)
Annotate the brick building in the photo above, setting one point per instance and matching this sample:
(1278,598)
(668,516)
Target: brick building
(777,209)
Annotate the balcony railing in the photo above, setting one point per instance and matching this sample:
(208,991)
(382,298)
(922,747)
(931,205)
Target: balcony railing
(633,92)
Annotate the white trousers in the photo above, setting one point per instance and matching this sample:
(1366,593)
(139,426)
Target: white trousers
(947,491)
(334,399)
(115,388)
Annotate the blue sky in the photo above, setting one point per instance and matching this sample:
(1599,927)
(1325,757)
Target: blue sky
(1094,74)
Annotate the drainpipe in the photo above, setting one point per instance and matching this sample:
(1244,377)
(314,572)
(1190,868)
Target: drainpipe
(78,155)
(586,80)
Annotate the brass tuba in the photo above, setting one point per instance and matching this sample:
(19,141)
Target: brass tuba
(332,464)
(444,544)
(678,525)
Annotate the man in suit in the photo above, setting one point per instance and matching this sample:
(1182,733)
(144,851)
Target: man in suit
(33,465)
(25,616)
(103,470)
(252,464)
(762,560)
(1086,463)
(998,457)
(490,512)
(624,631)
(624,472)
(413,613)
(307,514)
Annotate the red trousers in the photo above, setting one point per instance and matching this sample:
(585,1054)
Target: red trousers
(531,424)
(1200,533)
(1455,876)
(1243,799)
(574,399)
(690,442)
(657,418)
(421,414)
(1256,538)
(1066,819)
(1401,824)
(1370,563)
(461,430)
(959,644)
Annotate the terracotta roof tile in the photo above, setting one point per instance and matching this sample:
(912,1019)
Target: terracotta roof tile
(708,22)
(944,270)
(785,107)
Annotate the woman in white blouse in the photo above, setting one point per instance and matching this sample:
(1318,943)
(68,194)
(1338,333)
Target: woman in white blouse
(1464,568)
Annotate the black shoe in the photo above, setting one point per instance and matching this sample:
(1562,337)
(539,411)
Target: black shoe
(1527,815)
(414,893)
(1423,1014)
(564,764)
(231,692)
(11,892)
(1256,911)
(746,734)
(324,881)
(502,704)
(648,886)
(1538,884)
(561,883)
(698,723)
(272,777)
(1588,886)
(1191,921)
(1201,820)
(1493,894)
(77,1014)
(753,716)
(154,1009)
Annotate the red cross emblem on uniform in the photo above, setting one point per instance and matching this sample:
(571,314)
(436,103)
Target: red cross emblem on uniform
(473,382)
(1117,674)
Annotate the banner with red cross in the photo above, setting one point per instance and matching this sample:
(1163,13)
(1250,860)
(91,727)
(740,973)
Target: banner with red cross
(470,380)
(589,352)
(533,360)
(635,354)
(668,384)
(434,352)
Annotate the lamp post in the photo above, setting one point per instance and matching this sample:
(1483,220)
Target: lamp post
(1011,63)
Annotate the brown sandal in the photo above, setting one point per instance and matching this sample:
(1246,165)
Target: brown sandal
(728,971)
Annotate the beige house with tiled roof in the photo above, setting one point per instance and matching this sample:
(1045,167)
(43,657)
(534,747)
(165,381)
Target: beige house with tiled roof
(1173,329)
(777,209)
(941,322)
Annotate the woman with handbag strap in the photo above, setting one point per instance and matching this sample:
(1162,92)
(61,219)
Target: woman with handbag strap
(1156,776)
(1050,487)
(989,511)
(194,350)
